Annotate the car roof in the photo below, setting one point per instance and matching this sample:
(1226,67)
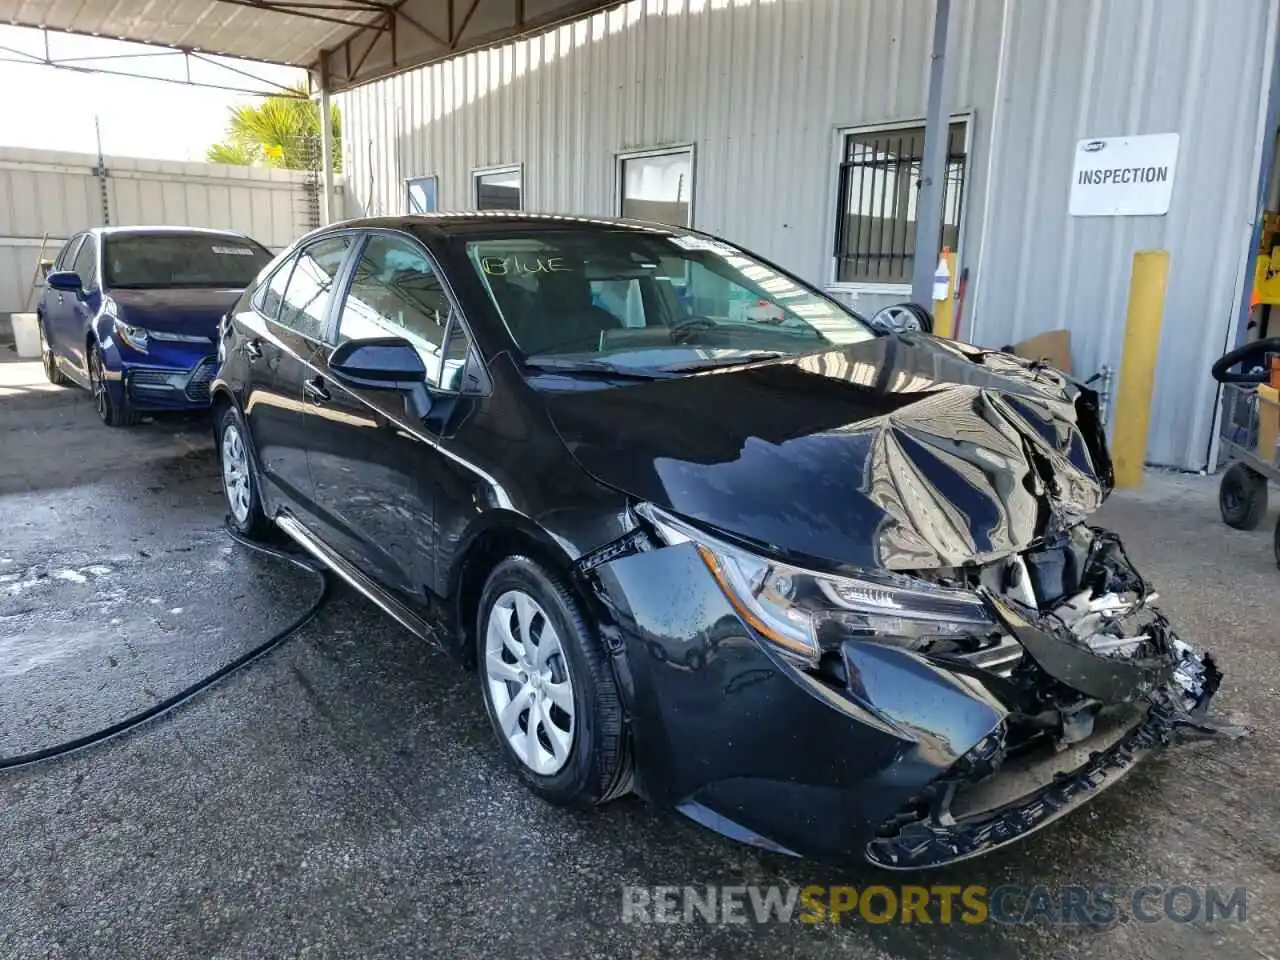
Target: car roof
(143,230)
(490,221)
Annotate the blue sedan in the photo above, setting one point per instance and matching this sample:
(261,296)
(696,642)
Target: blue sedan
(132,313)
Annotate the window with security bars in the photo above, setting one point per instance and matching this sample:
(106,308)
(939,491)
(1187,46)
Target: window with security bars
(879,186)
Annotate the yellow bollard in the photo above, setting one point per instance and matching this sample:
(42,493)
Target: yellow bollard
(1138,364)
(944,310)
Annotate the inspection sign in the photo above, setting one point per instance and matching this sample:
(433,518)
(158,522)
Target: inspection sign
(1124,176)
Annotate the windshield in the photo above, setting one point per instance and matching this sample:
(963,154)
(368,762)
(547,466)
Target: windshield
(631,300)
(142,261)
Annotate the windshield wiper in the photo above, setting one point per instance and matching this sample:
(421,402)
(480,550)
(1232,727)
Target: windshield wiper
(598,368)
(712,362)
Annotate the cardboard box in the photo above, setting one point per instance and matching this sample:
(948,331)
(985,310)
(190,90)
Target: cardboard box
(1053,347)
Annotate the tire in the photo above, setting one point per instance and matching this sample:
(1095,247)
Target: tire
(111,413)
(592,763)
(1276,542)
(1242,497)
(48,361)
(239,478)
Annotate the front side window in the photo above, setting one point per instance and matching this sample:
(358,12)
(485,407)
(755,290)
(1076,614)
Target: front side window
(305,306)
(500,189)
(651,299)
(657,187)
(876,217)
(67,255)
(162,260)
(86,262)
(395,292)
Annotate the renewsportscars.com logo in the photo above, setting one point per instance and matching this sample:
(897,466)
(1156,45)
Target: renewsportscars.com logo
(1093,906)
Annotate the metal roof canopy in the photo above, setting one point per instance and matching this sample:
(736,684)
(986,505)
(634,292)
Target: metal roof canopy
(342,42)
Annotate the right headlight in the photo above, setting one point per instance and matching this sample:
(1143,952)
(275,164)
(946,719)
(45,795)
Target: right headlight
(802,612)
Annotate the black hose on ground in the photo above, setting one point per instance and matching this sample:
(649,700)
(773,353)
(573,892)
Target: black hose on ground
(182,696)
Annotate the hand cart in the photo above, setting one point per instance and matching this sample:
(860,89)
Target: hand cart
(1250,434)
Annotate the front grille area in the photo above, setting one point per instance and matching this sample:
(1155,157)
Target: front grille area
(198,386)
(157,379)
(1000,658)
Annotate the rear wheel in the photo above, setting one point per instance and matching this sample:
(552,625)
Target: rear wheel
(47,359)
(548,687)
(239,484)
(1242,497)
(111,413)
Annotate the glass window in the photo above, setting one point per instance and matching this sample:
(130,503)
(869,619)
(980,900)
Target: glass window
(650,299)
(876,216)
(86,262)
(421,194)
(271,294)
(310,288)
(395,292)
(455,358)
(658,187)
(499,190)
(200,260)
(67,255)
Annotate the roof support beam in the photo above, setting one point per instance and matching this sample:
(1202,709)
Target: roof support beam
(306,11)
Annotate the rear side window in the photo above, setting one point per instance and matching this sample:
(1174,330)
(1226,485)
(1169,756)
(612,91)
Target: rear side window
(270,294)
(307,295)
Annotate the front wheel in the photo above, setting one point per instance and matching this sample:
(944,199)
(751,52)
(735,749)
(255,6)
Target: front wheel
(239,483)
(1242,497)
(548,687)
(48,360)
(111,413)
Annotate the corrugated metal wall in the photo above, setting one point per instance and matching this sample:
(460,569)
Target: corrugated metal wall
(1096,68)
(58,193)
(760,88)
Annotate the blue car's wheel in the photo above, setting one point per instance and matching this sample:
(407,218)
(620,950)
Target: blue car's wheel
(47,359)
(113,414)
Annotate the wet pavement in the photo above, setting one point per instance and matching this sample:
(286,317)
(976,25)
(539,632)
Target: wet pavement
(343,797)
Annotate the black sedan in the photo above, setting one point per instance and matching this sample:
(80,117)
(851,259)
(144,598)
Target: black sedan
(706,534)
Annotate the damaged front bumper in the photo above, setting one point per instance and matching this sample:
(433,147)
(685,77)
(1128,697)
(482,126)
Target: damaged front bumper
(908,758)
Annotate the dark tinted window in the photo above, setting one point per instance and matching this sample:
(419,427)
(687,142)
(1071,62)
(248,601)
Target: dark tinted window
(86,262)
(499,190)
(67,255)
(150,260)
(270,294)
(310,286)
(395,292)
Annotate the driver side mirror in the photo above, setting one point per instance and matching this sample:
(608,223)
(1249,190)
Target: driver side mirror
(382,363)
(67,281)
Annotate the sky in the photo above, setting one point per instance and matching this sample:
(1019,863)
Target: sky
(53,109)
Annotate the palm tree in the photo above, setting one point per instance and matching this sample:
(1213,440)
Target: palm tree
(280,131)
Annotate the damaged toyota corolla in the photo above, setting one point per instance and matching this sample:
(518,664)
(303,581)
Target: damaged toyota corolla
(707,535)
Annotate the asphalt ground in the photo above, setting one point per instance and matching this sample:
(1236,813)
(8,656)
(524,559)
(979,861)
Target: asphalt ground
(344,797)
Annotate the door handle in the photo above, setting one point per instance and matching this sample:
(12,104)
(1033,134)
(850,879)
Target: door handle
(253,349)
(315,391)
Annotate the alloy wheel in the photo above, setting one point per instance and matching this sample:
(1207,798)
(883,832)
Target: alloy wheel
(98,382)
(235,473)
(528,682)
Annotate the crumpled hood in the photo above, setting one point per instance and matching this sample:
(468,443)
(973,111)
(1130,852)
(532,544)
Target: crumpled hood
(899,452)
(176,310)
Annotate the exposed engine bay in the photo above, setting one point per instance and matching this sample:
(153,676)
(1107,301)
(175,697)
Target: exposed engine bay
(1092,676)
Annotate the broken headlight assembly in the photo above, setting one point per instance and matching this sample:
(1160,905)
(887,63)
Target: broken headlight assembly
(802,612)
